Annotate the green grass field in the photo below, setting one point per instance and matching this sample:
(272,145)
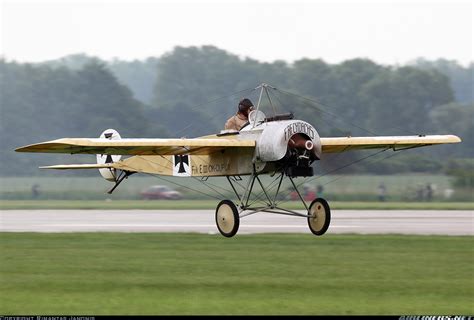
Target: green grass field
(336,187)
(169,274)
(211,205)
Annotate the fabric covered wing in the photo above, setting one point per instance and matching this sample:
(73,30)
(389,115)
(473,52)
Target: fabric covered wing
(136,146)
(341,144)
(79,166)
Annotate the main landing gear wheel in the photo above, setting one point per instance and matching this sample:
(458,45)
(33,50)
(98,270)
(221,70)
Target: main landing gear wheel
(227,218)
(320,216)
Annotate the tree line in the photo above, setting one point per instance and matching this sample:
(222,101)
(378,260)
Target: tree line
(191,91)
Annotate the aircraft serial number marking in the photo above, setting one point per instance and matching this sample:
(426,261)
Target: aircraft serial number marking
(209,168)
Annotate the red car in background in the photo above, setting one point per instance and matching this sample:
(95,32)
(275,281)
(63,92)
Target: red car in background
(308,194)
(160,192)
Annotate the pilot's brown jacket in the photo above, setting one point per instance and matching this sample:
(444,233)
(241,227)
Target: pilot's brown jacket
(236,122)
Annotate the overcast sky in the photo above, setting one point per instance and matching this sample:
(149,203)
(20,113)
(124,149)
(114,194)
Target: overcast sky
(388,32)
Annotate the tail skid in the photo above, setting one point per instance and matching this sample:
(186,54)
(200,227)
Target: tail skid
(123,175)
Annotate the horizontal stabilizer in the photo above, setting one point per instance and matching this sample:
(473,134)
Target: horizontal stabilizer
(79,166)
(341,144)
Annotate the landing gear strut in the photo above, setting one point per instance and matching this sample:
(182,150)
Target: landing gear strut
(228,215)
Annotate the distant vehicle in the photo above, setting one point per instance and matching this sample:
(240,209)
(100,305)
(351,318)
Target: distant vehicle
(308,194)
(160,192)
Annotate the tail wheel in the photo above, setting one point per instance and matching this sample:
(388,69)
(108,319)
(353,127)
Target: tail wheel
(227,218)
(319,216)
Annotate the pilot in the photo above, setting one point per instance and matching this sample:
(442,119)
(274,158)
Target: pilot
(238,120)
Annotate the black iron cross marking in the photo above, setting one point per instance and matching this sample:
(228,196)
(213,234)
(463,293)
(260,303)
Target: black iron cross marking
(109,159)
(108,135)
(181,160)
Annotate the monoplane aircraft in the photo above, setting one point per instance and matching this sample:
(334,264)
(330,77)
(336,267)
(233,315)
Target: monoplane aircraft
(276,145)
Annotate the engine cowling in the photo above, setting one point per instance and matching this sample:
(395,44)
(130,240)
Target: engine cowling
(274,140)
(106,173)
(294,144)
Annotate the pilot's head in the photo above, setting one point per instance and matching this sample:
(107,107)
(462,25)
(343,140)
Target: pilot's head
(245,106)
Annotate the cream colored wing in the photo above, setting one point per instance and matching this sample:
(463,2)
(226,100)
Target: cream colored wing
(198,146)
(79,166)
(342,144)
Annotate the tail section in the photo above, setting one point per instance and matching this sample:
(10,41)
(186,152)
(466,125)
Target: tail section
(110,166)
(109,174)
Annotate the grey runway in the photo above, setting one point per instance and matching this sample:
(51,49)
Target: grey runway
(443,222)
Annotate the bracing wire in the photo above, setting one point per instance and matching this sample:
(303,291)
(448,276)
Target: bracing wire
(260,196)
(315,105)
(196,107)
(207,184)
(351,123)
(345,166)
(317,109)
(270,188)
(182,186)
(340,177)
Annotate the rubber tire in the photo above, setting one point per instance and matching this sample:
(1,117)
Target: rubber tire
(227,218)
(322,210)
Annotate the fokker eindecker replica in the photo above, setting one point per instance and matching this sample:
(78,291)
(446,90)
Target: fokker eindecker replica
(278,144)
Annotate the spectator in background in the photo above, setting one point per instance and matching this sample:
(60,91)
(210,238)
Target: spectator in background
(429,192)
(35,190)
(319,191)
(382,191)
(419,193)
